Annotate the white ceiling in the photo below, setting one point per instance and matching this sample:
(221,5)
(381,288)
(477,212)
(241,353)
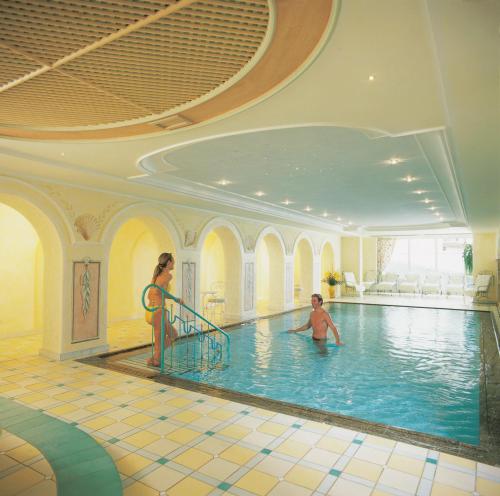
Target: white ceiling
(340,174)
(434,100)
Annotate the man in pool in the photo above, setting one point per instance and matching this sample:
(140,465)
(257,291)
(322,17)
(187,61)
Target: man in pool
(320,321)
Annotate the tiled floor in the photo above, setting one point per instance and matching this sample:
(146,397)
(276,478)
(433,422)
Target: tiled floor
(170,441)
(23,469)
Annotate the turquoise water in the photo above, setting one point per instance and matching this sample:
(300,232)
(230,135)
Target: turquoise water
(414,368)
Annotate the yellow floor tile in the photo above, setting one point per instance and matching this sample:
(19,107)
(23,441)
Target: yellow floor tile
(162,478)
(182,435)
(379,441)
(139,489)
(257,482)
(138,420)
(316,427)
(99,422)
(162,447)
(131,464)
(190,486)
(193,458)
(178,402)
(219,469)
(235,431)
(406,464)
(238,454)
(333,444)
(212,445)
(63,409)
(4,388)
(365,470)
(141,392)
(305,476)
(145,404)
(23,453)
(222,414)
(19,481)
(293,448)
(186,417)
(260,412)
(272,428)
(486,487)
(141,439)
(37,386)
(444,490)
(322,457)
(43,467)
(100,406)
(31,398)
(457,460)
(112,393)
(67,396)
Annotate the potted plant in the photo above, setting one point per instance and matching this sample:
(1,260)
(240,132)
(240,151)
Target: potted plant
(332,279)
(467,256)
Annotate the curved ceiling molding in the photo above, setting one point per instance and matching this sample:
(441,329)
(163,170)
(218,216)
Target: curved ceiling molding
(123,68)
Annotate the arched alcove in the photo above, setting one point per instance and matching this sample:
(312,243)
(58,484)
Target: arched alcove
(303,271)
(270,273)
(133,256)
(220,274)
(31,271)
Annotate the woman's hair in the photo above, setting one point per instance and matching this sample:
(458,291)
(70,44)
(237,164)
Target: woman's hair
(163,260)
(319,297)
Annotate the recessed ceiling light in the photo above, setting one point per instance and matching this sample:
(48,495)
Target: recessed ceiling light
(223,182)
(339,219)
(441,219)
(371,77)
(259,193)
(350,223)
(393,161)
(325,214)
(308,209)
(62,154)
(427,200)
(287,202)
(419,191)
(437,213)
(409,179)
(432,208)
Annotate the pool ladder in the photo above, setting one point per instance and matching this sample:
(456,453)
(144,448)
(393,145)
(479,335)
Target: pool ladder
(200,345)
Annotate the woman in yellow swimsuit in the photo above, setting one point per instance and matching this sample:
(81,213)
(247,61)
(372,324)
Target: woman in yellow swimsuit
(161,277)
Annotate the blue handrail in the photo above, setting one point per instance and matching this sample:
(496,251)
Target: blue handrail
(188,329)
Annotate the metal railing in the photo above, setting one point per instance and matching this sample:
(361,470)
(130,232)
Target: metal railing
(195,344)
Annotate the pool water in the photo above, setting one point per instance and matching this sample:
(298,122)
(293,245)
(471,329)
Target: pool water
(415,368)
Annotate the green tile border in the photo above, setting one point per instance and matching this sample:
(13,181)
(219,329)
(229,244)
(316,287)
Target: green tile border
(81,466)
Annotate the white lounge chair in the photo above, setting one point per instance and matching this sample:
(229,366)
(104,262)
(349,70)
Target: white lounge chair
(409,283)
(481,286)
(431,284)
(387,284)
(370,280)
(455,284)
(351,284)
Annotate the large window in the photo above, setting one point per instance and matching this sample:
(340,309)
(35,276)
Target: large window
(430,254)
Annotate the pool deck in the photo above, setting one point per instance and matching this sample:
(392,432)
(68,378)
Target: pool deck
(169,440)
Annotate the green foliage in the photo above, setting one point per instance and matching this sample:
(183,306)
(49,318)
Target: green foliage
(467,256)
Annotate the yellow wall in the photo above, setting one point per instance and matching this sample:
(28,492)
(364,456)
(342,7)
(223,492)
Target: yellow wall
(262,264)
(212,262)
(327,265)
(484,249)
(270,274)
(369,255)
(303,271)
(350,256)
(21,275)
(133,257)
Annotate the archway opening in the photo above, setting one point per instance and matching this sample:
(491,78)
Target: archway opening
(303,272)
(221,281)
(133,256)
(31,275)
(327,265)
(270,275)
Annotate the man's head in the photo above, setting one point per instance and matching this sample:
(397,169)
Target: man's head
(316,300)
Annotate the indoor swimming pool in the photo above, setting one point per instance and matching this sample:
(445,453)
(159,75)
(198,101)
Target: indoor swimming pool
(414,368)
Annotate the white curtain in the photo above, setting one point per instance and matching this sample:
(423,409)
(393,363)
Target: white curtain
(385,248)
